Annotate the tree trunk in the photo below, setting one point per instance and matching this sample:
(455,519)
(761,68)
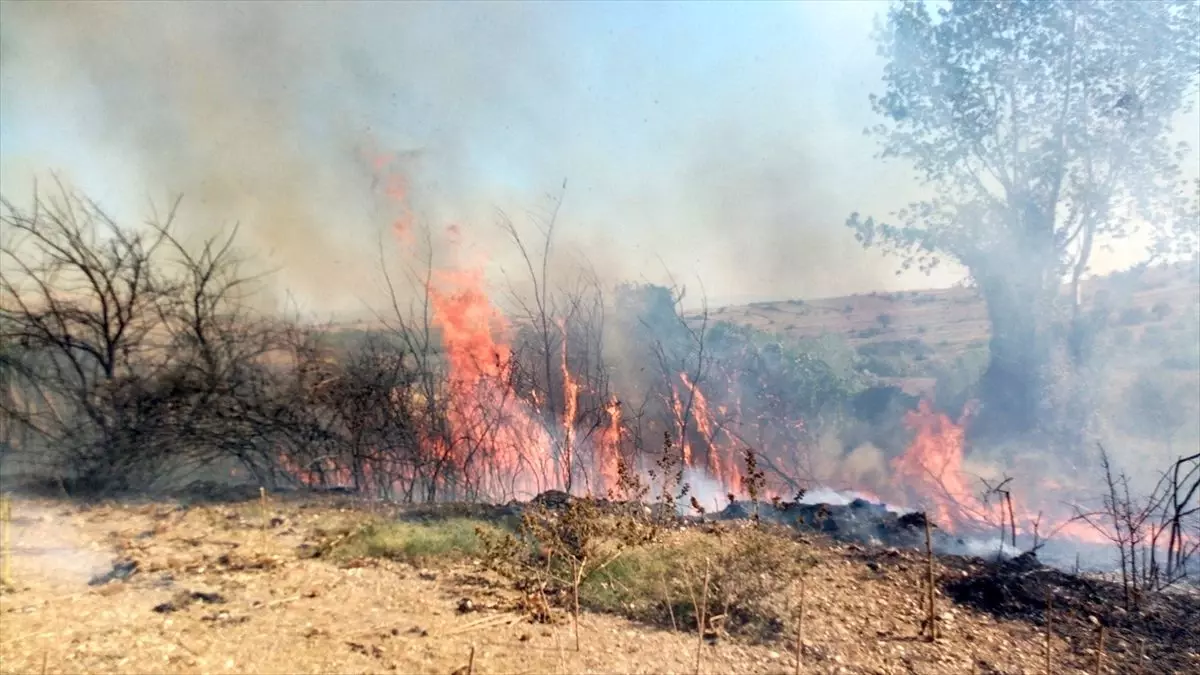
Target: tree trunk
(1014,390)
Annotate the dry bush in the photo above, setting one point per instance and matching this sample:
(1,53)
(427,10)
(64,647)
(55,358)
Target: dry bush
(750,573)
(606,558)
(1157,535)
(127,355)
(556,550)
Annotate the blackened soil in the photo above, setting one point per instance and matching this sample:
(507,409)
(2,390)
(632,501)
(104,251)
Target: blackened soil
(1160,629)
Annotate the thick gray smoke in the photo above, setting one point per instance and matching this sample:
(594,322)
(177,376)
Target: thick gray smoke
(270,114)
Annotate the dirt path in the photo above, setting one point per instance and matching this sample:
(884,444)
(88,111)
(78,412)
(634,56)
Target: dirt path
(280,614)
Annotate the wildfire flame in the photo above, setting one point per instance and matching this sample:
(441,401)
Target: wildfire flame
(570,410)
(930,474)
(931,468)
(502,444)
(492,428)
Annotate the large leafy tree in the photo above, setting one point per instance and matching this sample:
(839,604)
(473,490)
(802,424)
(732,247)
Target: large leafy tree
(1041,129)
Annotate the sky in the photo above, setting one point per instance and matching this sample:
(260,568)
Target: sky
(722,142)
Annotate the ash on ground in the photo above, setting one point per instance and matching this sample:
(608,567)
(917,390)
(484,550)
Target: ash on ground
(859,521)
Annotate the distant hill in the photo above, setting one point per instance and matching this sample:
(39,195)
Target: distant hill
(953,319)
(1153,313)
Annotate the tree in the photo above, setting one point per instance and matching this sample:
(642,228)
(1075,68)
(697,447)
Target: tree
(1042,129)
(77,299)
(126,355)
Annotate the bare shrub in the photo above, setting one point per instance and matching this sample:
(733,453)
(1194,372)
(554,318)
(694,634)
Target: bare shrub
(1164,522)
(555,551)
(133,356)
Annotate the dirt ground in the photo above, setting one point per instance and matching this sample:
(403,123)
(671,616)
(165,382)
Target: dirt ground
(216,592)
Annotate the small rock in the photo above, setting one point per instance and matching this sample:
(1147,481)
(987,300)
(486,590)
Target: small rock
(182,599)
(121,570)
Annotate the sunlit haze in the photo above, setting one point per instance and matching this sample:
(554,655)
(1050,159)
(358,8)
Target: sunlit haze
(722,142)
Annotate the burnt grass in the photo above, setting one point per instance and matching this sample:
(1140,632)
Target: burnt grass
(1163,631)
(1163,627)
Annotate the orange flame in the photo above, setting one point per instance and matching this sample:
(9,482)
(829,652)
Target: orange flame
(720,457)
(501,445)
(677,408)
(610,447)
(571,408)
(493,427)
(931,469)
(930,473)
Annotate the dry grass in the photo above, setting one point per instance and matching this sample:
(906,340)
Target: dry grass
(271,608)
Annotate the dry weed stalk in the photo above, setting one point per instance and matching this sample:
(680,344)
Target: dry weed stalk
(1008,516)
(754,481)
(1100,651)
(576,579)
(700,616)
(667,597)
(1136,526)
(630,486)
(931,618)
(5,543)
(262,505)
(800,627)
(671,466)
(1049,627)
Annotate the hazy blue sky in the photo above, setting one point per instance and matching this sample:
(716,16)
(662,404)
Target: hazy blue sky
(723,139)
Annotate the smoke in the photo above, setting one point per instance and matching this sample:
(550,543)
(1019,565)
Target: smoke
(254,112)
(271,114)
(708,492)
(44,539)
(723,144)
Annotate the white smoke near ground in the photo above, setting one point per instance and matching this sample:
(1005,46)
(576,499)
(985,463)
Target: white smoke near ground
(824,495)
(707,491)
(44,539)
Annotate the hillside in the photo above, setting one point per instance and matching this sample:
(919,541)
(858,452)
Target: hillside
(949,320)
(1153,315)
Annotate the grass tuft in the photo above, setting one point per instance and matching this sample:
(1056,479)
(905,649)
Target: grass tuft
(419,542)
(659,583)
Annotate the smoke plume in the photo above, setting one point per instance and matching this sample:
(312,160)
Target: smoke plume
(277,117)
